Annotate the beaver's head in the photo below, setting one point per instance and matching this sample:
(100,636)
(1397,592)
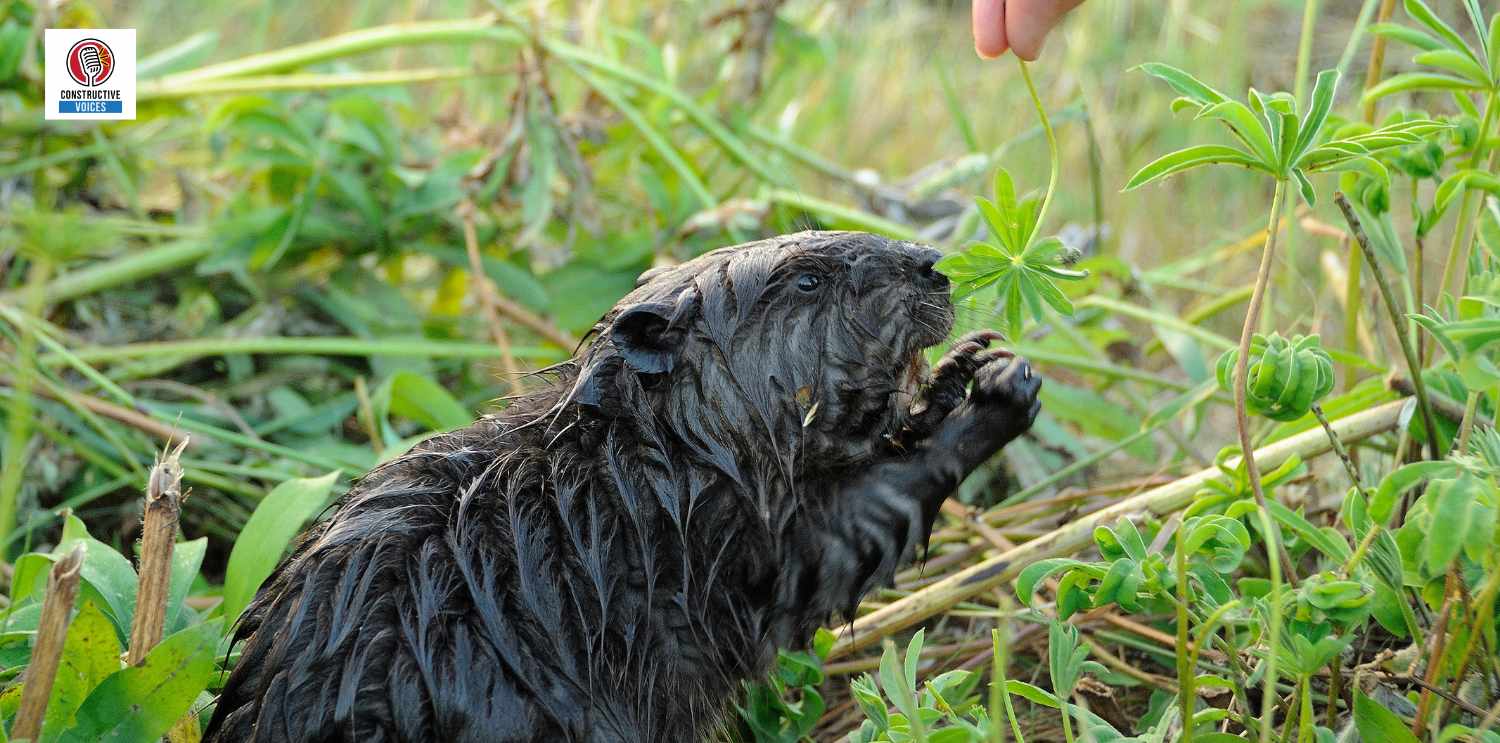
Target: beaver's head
(801,352)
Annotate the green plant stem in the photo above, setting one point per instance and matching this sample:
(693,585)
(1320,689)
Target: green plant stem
(1466,426)
(128,268)
(1185,673)
(1305,717)
(1241,411)
(1338,446)
(1268,695)
(1299,92)
(1002,658)
(1052,157)
(301,82)
(325,346)
(482,28)
(1413,365)
(1456,269)
(851,216)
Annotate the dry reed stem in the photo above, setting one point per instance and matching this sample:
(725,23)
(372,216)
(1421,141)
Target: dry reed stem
(486,295)
(52,632)
(983,576)
(158,535)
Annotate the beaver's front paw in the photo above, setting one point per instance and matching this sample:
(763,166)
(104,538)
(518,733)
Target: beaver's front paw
(950,383)
(1006,387)
(1001,404)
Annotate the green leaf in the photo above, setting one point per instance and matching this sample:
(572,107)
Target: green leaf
(1401,480)
(1453,502)
(1419,11)
(105,572)
(1492,50)
(1407,35)
(187,557)
(1459,63)
(1317,112)
(1189,86)
(1409,81)
(1305,187)
(90,654)
(265,536)
(1246,127)
(1192,157)
(140,703)
(1456,183)
(1375,722)
(1039,571)
(417,397)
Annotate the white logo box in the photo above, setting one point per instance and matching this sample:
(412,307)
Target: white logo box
(100,86)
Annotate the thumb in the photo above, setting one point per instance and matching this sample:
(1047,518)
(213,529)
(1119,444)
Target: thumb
(1028,21)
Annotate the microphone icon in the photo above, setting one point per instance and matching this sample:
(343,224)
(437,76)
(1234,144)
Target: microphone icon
(93,66)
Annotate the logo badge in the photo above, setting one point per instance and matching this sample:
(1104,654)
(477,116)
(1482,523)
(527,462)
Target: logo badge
(90,74)
(90,62)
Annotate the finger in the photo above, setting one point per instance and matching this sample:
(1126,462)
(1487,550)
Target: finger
(982,337)
(989,28)
(1028,21)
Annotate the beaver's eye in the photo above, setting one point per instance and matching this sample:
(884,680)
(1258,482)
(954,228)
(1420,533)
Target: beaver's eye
(809,282)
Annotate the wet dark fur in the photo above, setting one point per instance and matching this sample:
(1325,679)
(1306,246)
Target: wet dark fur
(734,456)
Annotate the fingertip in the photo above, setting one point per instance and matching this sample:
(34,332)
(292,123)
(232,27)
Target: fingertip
(989,28)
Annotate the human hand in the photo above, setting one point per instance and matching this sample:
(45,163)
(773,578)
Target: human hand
(1016,25)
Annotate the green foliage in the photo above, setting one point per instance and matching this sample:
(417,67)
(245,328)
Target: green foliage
(277,259)
(1019,266)
(139,703)
(1284,378)
(1271,136)
(266,535)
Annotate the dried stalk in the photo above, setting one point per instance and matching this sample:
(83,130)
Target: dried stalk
(983,576)
(1414,367)
(158,535)
(486,295)
(52,631)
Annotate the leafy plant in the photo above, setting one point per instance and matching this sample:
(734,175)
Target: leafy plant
(1019,266)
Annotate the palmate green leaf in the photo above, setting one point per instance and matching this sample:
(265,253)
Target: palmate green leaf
(1460,64)
(1407,35)
(1419,11)
(1192,157)
(1409,81)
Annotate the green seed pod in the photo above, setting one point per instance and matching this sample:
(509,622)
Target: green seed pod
(1283,378)
(1419,160)
(1465,131)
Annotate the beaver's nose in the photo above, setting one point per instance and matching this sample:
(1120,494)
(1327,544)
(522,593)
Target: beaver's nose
(927,259)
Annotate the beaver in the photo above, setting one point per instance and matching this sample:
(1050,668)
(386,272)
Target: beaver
(746,444)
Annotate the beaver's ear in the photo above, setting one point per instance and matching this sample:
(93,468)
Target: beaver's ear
(644,337)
